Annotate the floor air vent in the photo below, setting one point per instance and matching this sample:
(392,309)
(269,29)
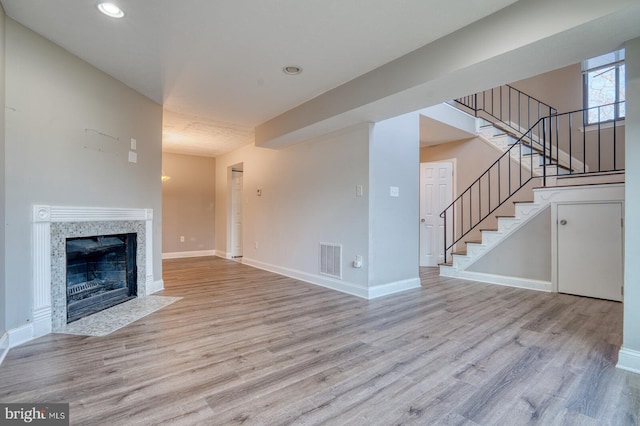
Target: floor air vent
(331,260)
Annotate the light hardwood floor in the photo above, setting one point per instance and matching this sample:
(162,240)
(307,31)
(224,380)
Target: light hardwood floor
(246,346)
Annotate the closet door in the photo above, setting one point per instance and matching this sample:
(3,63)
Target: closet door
(590,250)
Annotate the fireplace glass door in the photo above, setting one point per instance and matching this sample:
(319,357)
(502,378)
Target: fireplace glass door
(101,273)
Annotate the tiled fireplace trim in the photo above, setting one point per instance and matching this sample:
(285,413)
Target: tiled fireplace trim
(51,226)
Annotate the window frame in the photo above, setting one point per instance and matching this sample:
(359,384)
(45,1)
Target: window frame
(616,65)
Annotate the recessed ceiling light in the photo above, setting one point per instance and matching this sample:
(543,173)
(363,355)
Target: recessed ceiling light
(111,10)
(291,70)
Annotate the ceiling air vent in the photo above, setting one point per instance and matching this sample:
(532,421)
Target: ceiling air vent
(331,260)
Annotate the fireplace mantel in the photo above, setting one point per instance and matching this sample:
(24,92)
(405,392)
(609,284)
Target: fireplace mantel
(44,219)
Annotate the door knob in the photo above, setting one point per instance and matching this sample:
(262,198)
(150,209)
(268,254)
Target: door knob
(563,222)
(423,220)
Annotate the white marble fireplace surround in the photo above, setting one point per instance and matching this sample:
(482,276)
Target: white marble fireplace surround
(52,225)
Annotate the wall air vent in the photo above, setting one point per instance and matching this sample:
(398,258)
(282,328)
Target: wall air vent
(331,260)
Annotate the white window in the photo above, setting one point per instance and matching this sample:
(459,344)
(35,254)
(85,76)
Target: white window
(603,78)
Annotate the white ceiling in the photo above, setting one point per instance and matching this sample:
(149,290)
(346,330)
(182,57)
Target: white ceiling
(216,65)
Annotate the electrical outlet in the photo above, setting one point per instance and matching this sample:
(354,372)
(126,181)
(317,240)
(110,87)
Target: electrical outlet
(182,239)
(256,244)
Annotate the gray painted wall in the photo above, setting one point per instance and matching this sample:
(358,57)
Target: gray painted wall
(394,160)
(533,239)
(56,104)
(188,203)
(631,333)
(308,197)
(2,179)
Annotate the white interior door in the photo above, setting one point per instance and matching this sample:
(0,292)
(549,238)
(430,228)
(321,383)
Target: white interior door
(590,250)
(436,190)
(236,213)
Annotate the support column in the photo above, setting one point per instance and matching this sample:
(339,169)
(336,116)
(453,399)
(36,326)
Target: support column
(629,356)
(394,173)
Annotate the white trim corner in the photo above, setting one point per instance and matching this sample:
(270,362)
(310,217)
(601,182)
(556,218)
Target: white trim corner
(20,335)
(629,360)
(156,287)
(4,346)
(41,324)
(394,287)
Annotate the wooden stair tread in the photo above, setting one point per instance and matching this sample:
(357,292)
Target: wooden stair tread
(550,164)
(473,242)
(489,230)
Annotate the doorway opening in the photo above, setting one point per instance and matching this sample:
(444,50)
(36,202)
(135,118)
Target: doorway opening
(235,215)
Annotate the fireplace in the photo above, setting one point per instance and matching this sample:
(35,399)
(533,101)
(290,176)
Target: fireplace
(101,272)
(53,226)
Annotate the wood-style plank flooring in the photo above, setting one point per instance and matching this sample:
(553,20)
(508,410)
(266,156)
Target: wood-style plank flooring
(246,346)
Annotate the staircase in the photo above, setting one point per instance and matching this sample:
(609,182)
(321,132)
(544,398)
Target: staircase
(523,212)
(541,148)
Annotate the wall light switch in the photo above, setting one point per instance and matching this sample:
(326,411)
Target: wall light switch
(358,190)
(394,191)
(134,144)
(133,157)
(259,192)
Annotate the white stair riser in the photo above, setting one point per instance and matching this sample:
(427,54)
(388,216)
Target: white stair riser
(525,209)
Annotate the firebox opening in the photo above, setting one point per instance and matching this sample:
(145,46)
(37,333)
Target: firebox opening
(101,273)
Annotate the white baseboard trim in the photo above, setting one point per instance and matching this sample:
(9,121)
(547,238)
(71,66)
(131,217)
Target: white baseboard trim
(228,256)
(40,327)
(157,286)
(526,283)
(4,346)
(181,254)
(41,324)
(20,335)
(344,287)
(394,287)
(341,286)
(629,360)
